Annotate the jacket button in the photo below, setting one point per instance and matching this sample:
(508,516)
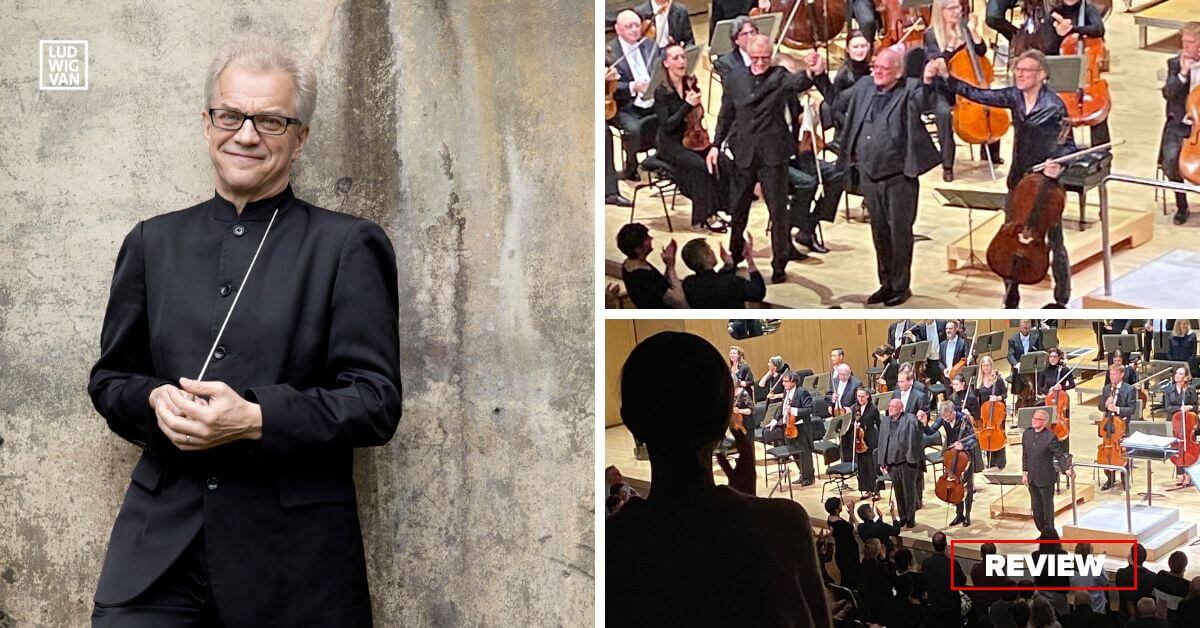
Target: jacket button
(239,231)
(211,484)
(225,289)
(218,353)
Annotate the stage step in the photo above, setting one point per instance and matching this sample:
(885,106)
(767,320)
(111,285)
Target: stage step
(1156,527)
(1015,501)
(1165,542)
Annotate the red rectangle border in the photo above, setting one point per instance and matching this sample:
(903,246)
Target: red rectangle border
(953,542)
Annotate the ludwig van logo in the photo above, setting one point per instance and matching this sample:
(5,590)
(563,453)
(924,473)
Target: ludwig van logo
(1014,560)
(62,64)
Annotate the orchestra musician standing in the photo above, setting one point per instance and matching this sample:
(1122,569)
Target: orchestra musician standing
(944,40)
(1180,397)
(842,387)
(950,351)
(989,387)
(889,367)
(676,98)
(1183,76)
(914,400)
(1024,341)
(1119,400)
(798,403)
(672,22)
(635,117)
(1064,21)
(885,140)
(1181,345)
(959,436)
(867,415)
(1040,449)
(752,120)
(1056,376)
(772,383)
(743,377)
(1038,116)
(737,59)
(899,454)
(723,10)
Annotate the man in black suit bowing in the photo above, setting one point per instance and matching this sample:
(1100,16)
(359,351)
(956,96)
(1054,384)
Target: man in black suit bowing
(672,24)
(886,141)
(635,59)
(753,120)
(1026,339)
(1040,449)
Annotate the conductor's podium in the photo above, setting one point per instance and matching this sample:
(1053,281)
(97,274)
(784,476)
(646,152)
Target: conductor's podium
(1159,529)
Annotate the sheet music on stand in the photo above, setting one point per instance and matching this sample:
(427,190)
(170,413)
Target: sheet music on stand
(1141,440)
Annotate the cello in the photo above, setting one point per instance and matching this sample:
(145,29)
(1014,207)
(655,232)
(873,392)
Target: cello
(991,425)
(1018,252)
(1061,401)
(950,487)
(1189,152)
(902,25)
(1090,104)
(973,122)
(1183,427)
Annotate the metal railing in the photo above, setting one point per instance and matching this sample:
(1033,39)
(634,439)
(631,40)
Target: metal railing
(1124,481)
(1104,235)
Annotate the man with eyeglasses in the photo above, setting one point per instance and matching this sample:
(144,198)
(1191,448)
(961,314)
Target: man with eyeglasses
(1037,114)
(738,58)
(250,344)
(753,120)
(729,9)
(885,140)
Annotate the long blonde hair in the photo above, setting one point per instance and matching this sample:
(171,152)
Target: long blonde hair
(939,24)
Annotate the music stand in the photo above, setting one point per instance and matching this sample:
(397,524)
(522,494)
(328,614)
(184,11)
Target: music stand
(880,400)
(1050,338)
(1065,73)
(972,200)
(1125,343)
(969,372)
(908,353)
(1003,480)
(1153,428)
(989,343)
(1160,341)
(1031,364)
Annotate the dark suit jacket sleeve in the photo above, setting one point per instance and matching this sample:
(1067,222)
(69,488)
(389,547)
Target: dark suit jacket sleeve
(359,405)
(725,116)
(803,402)
(1013,358)
(1126,402)
(1175,88)
(123,377)
(684,22)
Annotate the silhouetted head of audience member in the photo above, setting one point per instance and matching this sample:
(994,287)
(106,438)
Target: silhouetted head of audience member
(1146,607)
(987,549)
(866,512)
(1041,614)
(679,435)
(1081,598)
(1177,562)
(1020,613)
(903,559)
(873,549)
(612,503)
(1137,555)
(634,241)
(1026,590)
(939,542)
(1083,549)
(698,255)
(833,505)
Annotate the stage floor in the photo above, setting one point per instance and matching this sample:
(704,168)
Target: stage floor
(619,451)
(846,275)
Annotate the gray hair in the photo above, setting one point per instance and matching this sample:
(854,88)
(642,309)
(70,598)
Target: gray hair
(777,361)
(738,23)
(945,406)
(268,57)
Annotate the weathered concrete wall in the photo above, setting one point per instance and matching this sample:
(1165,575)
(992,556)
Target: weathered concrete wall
(464,128)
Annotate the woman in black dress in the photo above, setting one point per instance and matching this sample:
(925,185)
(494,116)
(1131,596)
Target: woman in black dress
(673,101)
(945,40)
(885,359)
(845,552)
(867,416)
(1181,345)
(647,287)
(990,386)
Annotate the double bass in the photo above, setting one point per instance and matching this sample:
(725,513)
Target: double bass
(973,122)
(1090,104)
(903,25)
(1189,152)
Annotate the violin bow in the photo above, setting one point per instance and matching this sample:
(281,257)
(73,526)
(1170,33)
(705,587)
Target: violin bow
(1072,156)
(783,31)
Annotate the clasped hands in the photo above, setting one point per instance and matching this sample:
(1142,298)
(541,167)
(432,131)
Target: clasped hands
(201,415)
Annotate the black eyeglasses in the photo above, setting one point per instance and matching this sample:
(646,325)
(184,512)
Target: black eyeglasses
(264,123)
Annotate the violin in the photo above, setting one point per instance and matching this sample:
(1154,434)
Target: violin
(610,100)
(991,425)
(860,435)
(737,422)
(1089,105)
(973,122)
(818,23)
(950,487)
(1018,251)
(1111,430)
(649,30)
(1189,152)
(695,136)
(791,431)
